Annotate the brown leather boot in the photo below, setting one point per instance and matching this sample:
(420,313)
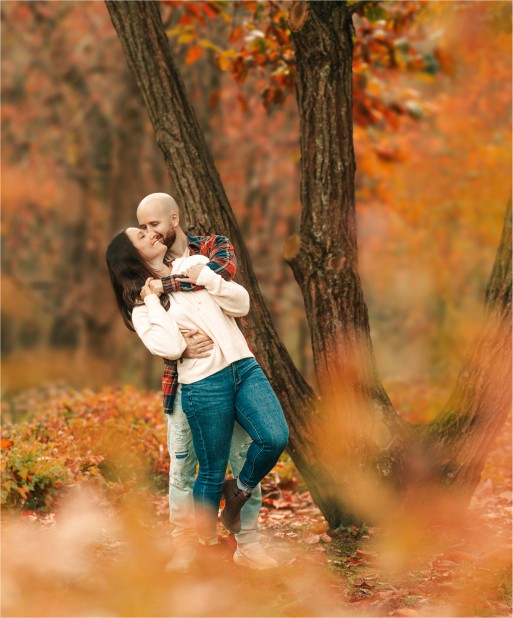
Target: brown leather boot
(235,499)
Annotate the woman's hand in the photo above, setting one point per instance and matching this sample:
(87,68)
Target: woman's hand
(150,287)
(192,273)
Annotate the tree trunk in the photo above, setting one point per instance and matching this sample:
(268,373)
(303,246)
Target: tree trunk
(354,434)
(324,257)
(465,430)
(324,260)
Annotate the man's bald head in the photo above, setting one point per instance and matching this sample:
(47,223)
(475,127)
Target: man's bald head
(159,213)
(161,202)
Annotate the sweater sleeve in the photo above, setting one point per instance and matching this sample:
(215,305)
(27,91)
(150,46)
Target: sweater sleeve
(157,329)
(230,296)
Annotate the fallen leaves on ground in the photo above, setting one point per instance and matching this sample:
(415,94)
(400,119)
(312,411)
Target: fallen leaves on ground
(91,550)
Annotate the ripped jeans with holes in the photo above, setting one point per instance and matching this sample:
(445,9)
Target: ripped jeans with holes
(182,472)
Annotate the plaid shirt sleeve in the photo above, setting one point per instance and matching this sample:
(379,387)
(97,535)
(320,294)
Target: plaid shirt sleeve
(219,251)
(169,384)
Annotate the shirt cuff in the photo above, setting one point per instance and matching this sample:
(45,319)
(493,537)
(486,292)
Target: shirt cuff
(170,284)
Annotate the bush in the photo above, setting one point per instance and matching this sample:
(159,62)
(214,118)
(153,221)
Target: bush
(115,438)
(32,475)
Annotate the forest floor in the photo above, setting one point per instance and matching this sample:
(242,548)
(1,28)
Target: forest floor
(92,557)
(467,572)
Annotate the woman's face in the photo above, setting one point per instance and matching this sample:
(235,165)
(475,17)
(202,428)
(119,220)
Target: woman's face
(147,243)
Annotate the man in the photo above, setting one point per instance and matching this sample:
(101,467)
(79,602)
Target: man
(158,213)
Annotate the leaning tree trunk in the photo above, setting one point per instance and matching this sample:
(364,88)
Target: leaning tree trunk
(355,427)
(464,431)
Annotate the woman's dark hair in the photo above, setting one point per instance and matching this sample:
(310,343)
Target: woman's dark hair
(128,272)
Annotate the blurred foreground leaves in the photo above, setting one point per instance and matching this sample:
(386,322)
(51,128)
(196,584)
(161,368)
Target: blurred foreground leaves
(85,530)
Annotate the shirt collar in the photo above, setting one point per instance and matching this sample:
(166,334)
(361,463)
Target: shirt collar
(193,241)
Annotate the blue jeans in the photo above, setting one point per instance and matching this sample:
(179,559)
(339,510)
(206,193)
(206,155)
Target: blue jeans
(182,471)
(241,393)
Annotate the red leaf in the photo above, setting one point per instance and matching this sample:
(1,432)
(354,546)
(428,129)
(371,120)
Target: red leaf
(235,34)
(193,54)
(209,10)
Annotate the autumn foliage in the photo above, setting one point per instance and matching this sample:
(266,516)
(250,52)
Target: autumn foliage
(259,44)
(113,439)
(83,484)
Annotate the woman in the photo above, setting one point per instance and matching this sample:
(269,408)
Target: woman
(227,385)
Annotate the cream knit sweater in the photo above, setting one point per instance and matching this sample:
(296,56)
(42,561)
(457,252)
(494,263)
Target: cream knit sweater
(211,310)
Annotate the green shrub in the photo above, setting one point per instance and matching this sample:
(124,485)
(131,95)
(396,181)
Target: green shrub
(32,475)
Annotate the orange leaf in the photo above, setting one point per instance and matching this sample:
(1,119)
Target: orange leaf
(224,59)
(209,10)
(235,34)
(250,5)
(5,443)
(193,54)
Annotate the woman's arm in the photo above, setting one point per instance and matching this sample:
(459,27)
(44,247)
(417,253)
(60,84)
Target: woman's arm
(157,329)
(230,296)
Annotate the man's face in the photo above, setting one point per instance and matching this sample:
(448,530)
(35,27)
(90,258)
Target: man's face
(156,220)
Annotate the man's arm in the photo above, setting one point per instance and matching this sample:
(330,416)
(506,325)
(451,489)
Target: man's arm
(221,255)
(199,345)
(222,260)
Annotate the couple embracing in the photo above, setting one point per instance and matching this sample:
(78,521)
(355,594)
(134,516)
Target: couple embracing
(176,291)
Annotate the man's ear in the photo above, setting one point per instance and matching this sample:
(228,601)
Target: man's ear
(175,217)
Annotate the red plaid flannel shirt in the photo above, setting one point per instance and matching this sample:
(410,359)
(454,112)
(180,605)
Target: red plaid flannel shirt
(219,251)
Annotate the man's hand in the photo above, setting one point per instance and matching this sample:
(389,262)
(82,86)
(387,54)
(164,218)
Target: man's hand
(191,274)
(199,345)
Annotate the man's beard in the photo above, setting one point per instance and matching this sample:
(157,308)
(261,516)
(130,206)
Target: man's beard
(169,238)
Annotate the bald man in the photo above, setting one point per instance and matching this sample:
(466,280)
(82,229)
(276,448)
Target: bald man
(159,214)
